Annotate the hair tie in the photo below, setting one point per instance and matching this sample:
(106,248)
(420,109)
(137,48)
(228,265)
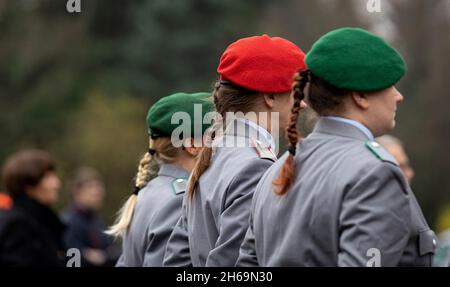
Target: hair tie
(292,149)
(136,190)
(306,75)
(154,135)
(225,83)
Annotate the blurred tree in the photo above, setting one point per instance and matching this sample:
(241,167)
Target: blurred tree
(107,133)
(422,35)
(176,45)
(39,70)
(443,219)
(303,22)
(63,76)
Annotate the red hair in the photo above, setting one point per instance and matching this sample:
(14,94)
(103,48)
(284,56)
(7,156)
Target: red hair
(287,173)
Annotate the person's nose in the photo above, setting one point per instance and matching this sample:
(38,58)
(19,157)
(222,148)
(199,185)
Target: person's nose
(57,182)
(399,96)
(303,105)
(409,174)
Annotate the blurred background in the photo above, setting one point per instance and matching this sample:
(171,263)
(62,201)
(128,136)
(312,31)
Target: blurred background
(79,84)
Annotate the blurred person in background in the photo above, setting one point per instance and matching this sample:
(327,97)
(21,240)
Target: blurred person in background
(85,228)
(395,147)
(5,201)
(31,232)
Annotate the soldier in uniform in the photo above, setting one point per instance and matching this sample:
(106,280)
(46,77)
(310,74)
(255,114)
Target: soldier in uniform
(255,78)
(337,198)
(146,220)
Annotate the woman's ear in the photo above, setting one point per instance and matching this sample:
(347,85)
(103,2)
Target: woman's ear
(189,145)
(360,100)
(269,100)
(193,151)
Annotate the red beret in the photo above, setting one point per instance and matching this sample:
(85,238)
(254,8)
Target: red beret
(262,63)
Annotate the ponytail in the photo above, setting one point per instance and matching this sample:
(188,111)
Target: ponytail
(287,173)
(125,214)
(228,97)
(200,167)
(204,158)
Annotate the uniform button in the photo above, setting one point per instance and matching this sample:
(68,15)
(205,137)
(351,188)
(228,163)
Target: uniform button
(434,242)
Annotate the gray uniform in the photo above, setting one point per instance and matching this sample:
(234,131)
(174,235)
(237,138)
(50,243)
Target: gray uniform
(348,206)
(157,211)
(212,226)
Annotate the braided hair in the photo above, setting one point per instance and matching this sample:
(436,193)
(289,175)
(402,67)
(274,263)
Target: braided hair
(294,136)
(161,150)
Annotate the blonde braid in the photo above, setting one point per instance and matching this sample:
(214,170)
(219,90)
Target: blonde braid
(143,174)
(125,214)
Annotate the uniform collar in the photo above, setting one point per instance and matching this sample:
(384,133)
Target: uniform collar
(343,127)
(242,127)
(172,170)
(262,131)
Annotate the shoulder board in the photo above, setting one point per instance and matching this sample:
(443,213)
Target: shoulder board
(179,185)
(264,151)
(380,152)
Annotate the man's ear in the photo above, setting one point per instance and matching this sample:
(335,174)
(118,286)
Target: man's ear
(360,100)
(269,100)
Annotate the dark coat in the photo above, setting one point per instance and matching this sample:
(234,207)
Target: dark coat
(30,235)
(85,229)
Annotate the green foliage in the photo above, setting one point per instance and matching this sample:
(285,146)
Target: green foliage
(109,134)
(175,45)
(79,85)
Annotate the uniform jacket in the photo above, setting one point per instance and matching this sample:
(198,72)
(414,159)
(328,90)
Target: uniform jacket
(348,204)
(156,213)
(212,226)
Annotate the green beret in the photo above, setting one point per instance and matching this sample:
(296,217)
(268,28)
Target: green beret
(356,60)
(202,96)
(159,115)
